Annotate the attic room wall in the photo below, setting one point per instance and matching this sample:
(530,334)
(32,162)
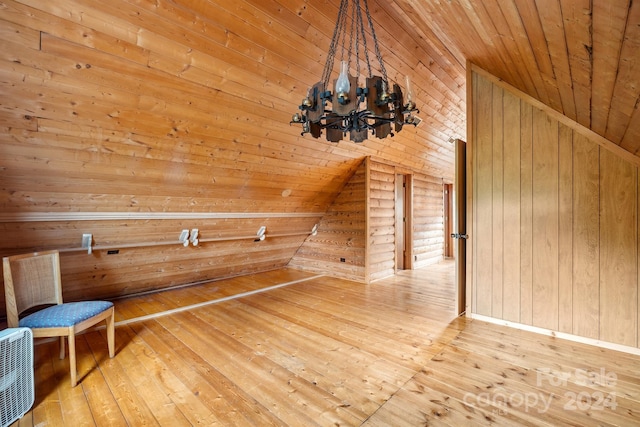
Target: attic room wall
(338,249)
(427,225)
(428,220)
(356,237)
(555,221)
(135,120)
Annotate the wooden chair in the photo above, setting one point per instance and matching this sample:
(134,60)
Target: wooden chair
(33,281)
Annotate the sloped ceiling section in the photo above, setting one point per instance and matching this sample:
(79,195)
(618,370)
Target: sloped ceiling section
(580,57)
(198,93)
(184,105)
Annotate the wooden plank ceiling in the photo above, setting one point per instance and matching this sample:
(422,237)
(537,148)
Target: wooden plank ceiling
(196,93)
(181,81)
(579,57)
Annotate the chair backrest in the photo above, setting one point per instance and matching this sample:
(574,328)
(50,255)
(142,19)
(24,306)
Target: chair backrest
(31,280)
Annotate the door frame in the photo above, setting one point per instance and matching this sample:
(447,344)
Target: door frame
(448,194)
(404,227)
(460,225)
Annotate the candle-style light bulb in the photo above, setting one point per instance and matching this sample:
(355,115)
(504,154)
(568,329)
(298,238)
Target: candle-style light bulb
(306,102)
(409,89)
(410,104)
(342,84)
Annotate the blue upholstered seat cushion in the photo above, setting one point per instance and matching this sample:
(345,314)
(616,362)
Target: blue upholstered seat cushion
(64,315)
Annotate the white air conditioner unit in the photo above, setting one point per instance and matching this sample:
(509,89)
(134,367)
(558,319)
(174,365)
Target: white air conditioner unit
(16,374)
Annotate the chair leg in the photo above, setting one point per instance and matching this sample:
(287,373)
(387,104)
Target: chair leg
(72,358)
(111,333)
(61,347)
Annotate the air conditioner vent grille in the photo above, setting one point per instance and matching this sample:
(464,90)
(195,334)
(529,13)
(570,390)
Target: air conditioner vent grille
(16,374)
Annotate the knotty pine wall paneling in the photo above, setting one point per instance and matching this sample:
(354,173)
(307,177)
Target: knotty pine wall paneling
(586,238)
(338,248)
(382,222)
(545,220)
(526,212)
(139,255)
(360,226)
(618,250)
(555,211)
(483,200)
(427,220)
(511,209)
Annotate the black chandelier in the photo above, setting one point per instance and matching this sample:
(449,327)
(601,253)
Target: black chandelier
(355,110)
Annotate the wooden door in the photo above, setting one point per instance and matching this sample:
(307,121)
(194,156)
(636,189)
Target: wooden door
(448,220)
(404,212)
(400,222)
(460,224)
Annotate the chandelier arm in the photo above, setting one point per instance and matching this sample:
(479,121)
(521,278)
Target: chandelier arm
(375,43)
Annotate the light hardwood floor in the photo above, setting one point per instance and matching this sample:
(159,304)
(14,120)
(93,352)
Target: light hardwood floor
(302,350)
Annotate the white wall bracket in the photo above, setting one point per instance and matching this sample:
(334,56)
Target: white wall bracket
(184,238)
(87,240)
(194,237)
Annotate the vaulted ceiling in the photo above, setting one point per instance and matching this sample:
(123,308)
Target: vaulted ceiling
(181,82)
(580,57)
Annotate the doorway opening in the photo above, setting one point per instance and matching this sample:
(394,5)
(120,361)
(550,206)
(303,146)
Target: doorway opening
(403,207)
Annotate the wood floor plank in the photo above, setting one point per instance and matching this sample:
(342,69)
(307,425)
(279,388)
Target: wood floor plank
(46,409)
(515,387)
(73,401)
(293,351)
(229,403)
(268,383)
(325,351)
(130,398)
(190,408)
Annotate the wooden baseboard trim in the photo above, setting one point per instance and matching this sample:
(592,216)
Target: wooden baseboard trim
(561,335)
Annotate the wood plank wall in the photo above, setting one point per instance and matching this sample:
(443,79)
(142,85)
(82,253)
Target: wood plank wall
(428,220)
(338,249)
(126,266)
(426,224)
(555,242)
(382,221)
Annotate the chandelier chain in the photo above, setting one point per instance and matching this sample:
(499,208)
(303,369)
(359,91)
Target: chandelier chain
(375,43)
(351,35)
(328,67)
(343,31)
(364,41)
